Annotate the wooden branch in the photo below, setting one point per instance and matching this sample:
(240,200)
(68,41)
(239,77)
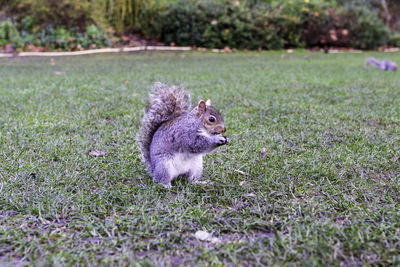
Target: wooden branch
(387,14)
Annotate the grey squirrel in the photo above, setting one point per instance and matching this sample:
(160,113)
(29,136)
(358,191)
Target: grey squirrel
(173,139)
(383,65)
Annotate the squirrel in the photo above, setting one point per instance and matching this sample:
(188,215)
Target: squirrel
(174,138)
(383,65)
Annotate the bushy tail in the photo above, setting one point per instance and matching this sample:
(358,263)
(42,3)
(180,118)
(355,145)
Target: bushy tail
(166,102)
(372,61)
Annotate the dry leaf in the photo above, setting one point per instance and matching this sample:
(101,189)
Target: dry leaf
(59,72)
(97,153)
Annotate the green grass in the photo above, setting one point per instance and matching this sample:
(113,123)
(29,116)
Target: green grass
(325,193)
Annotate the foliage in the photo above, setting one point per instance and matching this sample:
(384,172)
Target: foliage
(150,18)
(272,25)
(352,26)
(49,37)
(268,24)
(125,15)
(368,31)
(394,39)
(96,36)
(9,34)
(215,24)
(61,38)
(58,13)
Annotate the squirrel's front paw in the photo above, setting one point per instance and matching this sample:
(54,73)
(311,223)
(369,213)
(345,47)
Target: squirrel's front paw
(222,140)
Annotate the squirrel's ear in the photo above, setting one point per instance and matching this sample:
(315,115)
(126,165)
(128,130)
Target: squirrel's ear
(201,107)
(208,102)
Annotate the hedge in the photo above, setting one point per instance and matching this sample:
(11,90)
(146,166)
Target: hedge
(260,26)
(212,24)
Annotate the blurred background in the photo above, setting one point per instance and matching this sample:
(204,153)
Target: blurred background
(71,25)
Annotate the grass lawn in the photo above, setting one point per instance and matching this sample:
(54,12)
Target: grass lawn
(326,192)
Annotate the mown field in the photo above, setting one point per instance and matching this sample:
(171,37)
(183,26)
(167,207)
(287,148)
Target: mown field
(325,192)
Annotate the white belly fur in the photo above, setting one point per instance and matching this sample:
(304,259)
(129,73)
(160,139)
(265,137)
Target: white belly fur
(183,163)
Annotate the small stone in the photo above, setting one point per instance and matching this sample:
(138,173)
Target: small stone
(203,235)
(249,195)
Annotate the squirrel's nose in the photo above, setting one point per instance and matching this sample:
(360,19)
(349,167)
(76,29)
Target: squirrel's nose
(222,129)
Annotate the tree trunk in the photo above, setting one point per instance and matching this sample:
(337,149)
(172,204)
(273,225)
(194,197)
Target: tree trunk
(387,14)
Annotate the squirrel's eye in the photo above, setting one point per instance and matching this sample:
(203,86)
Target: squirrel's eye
(211,119)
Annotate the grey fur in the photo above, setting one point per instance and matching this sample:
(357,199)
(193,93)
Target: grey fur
(383,65)
(174,139)
(166,102)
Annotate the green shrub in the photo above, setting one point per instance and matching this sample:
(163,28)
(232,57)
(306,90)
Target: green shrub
(58,13)
(124,14)
(214,24)
(9,34)
(121,15)
(240,26)
(94,37)
(151,18)
(63,39)
(394,39)
(252,24)
(368,31)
